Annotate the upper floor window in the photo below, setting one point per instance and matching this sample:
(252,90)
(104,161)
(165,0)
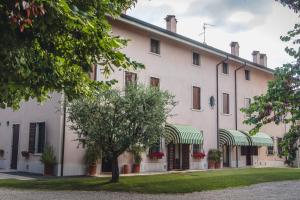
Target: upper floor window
(225,103)
(155,46)
(247,75)
(196,59)
(130,78)
(225,68)
(154,82)
(37,137)
(196,98)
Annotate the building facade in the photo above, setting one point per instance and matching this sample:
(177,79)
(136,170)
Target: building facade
(210,86)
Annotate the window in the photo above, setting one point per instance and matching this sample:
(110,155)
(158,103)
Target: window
(225,68)
(271,149)
(154,148)
(247,75)
(154,82)
(225,103)
(196,98)
(155,46)
(197,148)
(279,148)
(196,58)
(37,137)
(130,78)
(247,105)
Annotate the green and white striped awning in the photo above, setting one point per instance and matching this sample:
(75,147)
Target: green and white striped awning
(182,134)
(261,139)
(233,138)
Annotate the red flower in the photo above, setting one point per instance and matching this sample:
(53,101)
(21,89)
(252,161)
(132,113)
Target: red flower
(198,155)
(157,155)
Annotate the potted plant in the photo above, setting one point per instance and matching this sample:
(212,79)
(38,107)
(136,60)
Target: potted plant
(92,157)
(136,150)
(1,153)
(214,158)
(198,155)
(49,160)
(25,154)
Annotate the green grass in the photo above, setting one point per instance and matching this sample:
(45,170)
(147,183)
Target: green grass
(169,183)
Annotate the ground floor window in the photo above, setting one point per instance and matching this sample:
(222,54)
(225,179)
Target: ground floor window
(197,148)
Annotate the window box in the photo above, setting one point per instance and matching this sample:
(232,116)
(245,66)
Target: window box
(156,155)
(198,155)
(25,154)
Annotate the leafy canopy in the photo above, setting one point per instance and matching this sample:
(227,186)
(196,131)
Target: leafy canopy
(117,120)
(49,45)
(281,103)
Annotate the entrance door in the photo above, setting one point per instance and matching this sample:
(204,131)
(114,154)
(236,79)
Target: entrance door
(185,156)
(226,156)
(171,156)
(248,156)
(106,165)
(15,147)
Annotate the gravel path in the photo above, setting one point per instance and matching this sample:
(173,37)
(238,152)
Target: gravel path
(266,191)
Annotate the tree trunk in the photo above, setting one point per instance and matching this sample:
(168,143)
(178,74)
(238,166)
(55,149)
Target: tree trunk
(115,170)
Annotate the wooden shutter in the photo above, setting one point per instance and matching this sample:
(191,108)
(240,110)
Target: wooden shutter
(154,82)
(225,103)
(32,131)
(130,78)
(196,98)
(41,138)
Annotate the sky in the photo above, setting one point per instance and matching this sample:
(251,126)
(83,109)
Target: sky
(255,24)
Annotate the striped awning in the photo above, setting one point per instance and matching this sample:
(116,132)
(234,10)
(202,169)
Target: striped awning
(262,139)
(233,138)
(182,134)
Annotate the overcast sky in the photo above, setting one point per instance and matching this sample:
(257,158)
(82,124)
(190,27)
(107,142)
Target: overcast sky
(255,24)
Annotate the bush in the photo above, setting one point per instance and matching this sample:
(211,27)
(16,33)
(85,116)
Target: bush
(214,155)
(48,156)
(92,155)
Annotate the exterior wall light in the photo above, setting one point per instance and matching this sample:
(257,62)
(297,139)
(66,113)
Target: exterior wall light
(212,101)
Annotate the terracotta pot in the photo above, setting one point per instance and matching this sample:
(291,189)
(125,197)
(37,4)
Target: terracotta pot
(92,169)
(136,168)
(125,169)
(211,164)
(217,165)
(48,170)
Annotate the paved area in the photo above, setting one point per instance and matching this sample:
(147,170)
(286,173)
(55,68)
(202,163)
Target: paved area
(288,190)
(16,175)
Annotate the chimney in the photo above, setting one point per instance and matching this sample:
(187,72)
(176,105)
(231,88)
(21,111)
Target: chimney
(256,57)
(263,60)
(235,48)
(171,23)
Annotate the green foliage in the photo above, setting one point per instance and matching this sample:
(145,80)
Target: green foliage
(92,154)
(117,120)
(214,155)
(281,103)
(48,46)
(136,150)
(48,156)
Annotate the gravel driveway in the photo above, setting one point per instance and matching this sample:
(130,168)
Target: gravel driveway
(265,191)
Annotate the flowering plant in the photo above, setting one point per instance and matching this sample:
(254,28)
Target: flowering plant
(157,155)
(198,155)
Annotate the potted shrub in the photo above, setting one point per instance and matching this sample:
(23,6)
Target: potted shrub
(1,153)
(214,158)
(25,154)
(49,160)
(92,157)
(136,150)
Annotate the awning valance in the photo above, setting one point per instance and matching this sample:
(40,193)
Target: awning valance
(261,139)
(182,134)
(233,138)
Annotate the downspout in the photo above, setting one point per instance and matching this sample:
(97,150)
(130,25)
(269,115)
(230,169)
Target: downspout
(217,79)
(235,102)
(63,139)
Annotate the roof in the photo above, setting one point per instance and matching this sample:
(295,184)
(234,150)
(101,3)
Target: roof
(175,36)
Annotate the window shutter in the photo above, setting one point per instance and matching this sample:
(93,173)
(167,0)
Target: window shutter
(32,130)
(41,142)
(196,98)
(225,103)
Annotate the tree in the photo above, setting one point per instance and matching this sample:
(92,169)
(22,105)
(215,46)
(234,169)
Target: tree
(48,46)
(117,120)
(281,103)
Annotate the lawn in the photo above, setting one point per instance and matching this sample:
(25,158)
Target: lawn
(169,183)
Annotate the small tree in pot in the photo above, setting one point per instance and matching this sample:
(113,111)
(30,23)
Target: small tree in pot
(92,157)
(136,151)
(49,160)
(214,158)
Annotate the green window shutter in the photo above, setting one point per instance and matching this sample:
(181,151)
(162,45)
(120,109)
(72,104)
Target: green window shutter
(32,132)
(41,138)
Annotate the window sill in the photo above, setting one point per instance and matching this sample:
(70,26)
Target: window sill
(226,114)
(197,66)
(155,54)
(37,154)
(226,75)
(196,110)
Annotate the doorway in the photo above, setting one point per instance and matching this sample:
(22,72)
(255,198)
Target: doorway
(15,146)
(226,156)
(178,156)
(106,165)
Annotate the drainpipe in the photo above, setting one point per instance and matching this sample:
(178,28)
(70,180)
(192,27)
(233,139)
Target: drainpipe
(235,102)
(217,79)
(63,138)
